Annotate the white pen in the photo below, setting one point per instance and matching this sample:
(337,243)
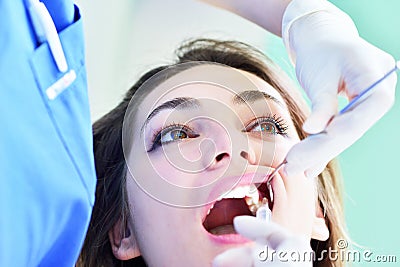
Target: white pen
(46,31)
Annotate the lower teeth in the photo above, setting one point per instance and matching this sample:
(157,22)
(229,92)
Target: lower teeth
(255,206)
(223,230)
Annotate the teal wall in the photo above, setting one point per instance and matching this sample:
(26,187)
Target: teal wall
(369,167)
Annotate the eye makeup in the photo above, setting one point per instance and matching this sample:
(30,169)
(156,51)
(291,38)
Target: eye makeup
(271,124)
(171,133)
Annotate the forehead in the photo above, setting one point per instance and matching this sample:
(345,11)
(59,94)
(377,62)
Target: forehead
(204,82)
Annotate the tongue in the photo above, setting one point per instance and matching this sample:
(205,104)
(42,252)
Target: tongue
(220,219)
(223,230)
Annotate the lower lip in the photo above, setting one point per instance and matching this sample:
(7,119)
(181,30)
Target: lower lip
(228,239)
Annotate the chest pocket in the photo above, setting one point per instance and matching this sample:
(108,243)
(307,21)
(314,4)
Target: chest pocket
(66,99)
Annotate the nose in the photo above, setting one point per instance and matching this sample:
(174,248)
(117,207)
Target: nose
(215,153)
(225,147)
(249,155)
(223,157)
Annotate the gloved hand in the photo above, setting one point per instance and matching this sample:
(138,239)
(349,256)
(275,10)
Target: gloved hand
(330,58)
(289,230)
(268,237)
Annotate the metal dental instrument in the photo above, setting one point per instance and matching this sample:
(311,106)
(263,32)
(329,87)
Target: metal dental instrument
(269,179)
(355,101)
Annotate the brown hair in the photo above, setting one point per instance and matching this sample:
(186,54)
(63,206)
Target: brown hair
(111,197)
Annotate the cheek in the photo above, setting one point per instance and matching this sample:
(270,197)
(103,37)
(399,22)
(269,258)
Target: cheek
(156,225)
(284,144)
(163,169)
(282,148)
(165,181)
(178,163)
(161,164)
(150,215)
(273,153)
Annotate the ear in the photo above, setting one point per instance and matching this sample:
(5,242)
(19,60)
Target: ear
(320,230)
(123,241)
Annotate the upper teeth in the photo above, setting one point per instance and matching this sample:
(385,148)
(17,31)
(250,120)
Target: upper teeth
(249,191)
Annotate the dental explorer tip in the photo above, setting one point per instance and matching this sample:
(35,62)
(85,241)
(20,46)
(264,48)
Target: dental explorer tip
(264,201)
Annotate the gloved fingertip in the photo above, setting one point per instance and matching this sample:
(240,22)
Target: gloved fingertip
(285,170)
(290,170)
(247,226)
(314,124)
(218,261)
(243,219)
(310,174)
(315,171)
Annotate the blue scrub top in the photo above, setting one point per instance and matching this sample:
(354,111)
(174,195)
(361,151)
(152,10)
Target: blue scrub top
(47,175)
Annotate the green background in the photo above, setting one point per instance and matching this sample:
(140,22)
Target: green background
(369,167)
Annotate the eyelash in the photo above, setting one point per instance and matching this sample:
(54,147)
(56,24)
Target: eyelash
(156,139)
(278,122)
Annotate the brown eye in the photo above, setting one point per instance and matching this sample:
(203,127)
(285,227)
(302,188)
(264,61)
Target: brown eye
(172,133)
(266,127)
(175,135)
(270,125)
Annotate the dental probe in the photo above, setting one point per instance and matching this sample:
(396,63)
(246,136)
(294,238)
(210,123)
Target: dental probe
(275,171)
(352,103)
(355,99)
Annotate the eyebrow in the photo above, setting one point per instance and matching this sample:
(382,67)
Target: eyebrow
(181,103)
(252,96)
(176,103)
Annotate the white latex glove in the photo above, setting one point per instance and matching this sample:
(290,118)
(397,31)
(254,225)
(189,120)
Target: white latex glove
(330,58)
(289,231)
(268,237)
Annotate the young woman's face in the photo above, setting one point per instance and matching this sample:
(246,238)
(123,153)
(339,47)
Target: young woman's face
(193,145)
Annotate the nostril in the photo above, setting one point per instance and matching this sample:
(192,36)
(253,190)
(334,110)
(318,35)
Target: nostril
(244,155)
(220,156)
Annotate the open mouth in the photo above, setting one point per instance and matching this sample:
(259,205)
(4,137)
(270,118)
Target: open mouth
(242,200)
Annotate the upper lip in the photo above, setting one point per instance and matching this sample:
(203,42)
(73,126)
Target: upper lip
(256,175)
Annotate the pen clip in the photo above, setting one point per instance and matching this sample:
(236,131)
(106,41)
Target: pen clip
(45,30)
